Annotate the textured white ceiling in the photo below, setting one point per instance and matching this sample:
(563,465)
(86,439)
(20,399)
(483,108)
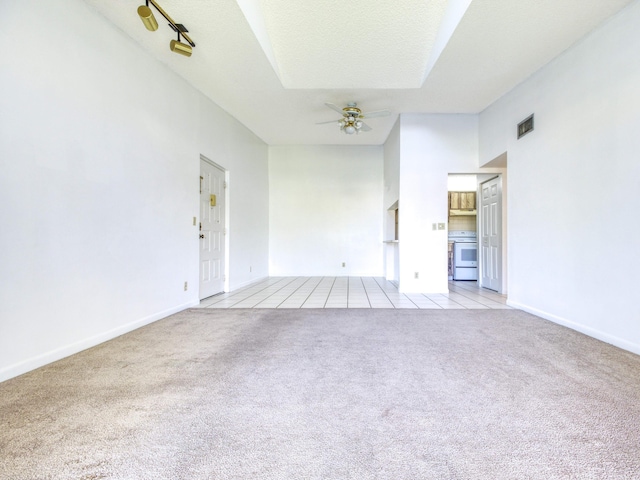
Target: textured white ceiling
(338,44)
(276,80)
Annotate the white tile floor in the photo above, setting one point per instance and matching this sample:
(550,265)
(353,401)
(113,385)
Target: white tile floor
(351,292)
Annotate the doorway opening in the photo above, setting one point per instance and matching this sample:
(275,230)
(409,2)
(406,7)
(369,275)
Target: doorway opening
(476,224)
(462,227)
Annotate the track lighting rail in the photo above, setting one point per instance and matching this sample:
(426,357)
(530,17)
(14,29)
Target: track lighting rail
(149,21)
(177,27)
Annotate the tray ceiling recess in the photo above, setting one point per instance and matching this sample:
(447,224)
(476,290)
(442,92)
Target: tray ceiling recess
(339,44)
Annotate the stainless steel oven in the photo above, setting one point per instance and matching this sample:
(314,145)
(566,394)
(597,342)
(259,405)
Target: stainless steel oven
(465,255)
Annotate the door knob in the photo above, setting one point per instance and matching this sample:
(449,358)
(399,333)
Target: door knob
(201,235)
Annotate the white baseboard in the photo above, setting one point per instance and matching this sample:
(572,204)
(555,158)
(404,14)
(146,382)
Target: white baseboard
(59,353)
(592,332)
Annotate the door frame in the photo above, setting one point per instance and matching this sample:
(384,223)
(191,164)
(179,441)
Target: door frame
(226,221)
(503,239)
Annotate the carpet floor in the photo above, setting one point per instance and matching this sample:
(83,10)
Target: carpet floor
(330,394)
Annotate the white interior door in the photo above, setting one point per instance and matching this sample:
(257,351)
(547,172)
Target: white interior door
(212,229)
(491,234)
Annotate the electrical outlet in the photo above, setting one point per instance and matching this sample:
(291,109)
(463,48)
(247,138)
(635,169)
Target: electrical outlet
(344,264)
(186,286)
(416,275)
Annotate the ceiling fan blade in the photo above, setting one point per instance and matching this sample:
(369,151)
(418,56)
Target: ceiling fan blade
(365,127)
(330,121)
(334,107)
(377,113)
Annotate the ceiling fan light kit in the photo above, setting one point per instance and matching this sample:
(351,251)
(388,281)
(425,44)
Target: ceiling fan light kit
(351,122)
(350,125)
(149,21)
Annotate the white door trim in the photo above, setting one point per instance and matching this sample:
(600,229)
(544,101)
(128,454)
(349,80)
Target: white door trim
(226,220)
(499,285)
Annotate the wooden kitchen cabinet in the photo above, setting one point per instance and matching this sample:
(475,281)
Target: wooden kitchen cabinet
(454,200)
(467,200)
(462,200)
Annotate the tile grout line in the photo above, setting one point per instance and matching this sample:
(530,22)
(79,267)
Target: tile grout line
(228,295)
(365,292)
(385,294)
(329,294)
(348,291)
(297,289)
(469,291)
(247,298)
(381,291)
(311,293)
(458,303)
(425,296)
(277,306)
(267,287)
(478,291)
(293,293)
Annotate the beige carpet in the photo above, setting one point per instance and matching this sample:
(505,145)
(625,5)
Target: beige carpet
(330,394)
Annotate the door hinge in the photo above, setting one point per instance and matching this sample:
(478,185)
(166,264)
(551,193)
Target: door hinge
(224,184)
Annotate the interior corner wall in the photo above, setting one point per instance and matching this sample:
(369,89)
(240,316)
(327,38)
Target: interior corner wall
(391,197)
(99,184)
(392,167)
(226,142)
(325,204)
(431,147)
(572,231)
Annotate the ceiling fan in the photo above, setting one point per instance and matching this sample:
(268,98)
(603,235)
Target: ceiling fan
(351,121)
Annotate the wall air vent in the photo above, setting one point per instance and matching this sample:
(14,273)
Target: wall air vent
(525,126)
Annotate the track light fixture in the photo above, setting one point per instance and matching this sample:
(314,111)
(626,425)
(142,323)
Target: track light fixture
(182,48)
(176,45)
(146,15)
(149,20)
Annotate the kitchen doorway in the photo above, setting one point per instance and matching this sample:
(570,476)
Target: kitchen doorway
(462,227)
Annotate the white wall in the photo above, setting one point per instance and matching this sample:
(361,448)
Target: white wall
(462,183)
(431,147)
(572,243)
(391,202)
(99,167)
(325,205)
(392,167)
(229,144)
